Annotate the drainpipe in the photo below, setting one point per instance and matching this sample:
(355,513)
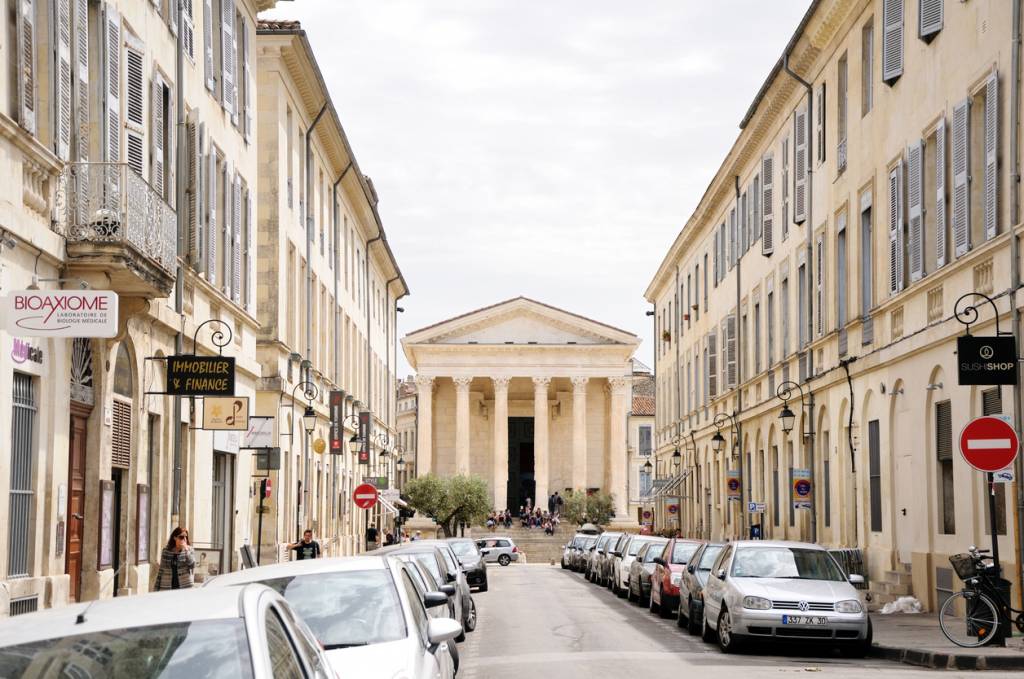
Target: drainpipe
(179,271)
(337,269)
(809,282)
(389,388)
(1015,281)
(741,510)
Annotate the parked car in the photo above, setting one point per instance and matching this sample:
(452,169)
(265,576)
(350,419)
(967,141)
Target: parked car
(621,580)
(590,558)
(500,549)
(612,560)
(691,588)
(578,555)
(429,590)
(448,589)
(604,545)
(568,548)
(668,573)
(365,611)
(471,560)
(456,576)
(245,633)
(638,587)
(432,558)
(783,590)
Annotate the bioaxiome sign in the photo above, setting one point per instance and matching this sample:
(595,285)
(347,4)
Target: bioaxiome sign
(60,313)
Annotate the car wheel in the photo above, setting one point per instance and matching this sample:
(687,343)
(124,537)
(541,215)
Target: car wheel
(483,586)
(629,593)
(728,641)
(681,618)
(621,591)
(470,622)
(706,633)
(504,560)
(654,608)
(692,624)
(858,649)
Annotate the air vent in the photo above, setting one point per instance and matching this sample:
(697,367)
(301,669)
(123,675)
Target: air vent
(531,342)
(25,604)
(570,343)
(473,342)
(509,342)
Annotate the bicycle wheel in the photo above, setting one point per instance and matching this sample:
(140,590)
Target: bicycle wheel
(968,619)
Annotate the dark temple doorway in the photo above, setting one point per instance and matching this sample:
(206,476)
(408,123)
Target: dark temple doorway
(521,483)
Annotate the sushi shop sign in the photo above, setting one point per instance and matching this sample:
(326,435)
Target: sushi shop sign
(986,360)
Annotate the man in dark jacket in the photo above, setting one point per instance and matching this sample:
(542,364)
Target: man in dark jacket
(307,548)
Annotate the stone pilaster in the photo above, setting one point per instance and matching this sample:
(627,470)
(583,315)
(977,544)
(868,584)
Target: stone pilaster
(541,459)
(424,424)
(579,433)
(620,388)
(462,424)
(500,442)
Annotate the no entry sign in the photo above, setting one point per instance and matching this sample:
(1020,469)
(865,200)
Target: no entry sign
(365,496)
(989,444)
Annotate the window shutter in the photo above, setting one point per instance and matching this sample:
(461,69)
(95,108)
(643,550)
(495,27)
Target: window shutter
(929,14)
(892,40)
(227,221)
(26,30)
(800,167)
(247,79)
(250,249)
(111,85)
(730,350)
(81,82)
(716,257)
(744,226)
(819,124)
(785,188)
(767,205)
(961,178)
(991,156)
(236,248)
(944,430)
(211,215)
(227,55)
(915,209)
(819,257)
(208,44)
(712,364)
(62,80)
(188,36)
(940,193)
(157,128)
(134,107)
(172,16)
(733,242)
(121,435)
(194,191)
(755,198)
(896,229)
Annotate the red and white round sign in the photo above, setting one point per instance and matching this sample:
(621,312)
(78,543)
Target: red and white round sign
(365,496)
(989,444)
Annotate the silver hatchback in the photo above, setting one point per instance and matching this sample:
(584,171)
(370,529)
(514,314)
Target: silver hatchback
(498,549)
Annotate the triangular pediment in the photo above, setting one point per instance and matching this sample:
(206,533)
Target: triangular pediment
(521,321)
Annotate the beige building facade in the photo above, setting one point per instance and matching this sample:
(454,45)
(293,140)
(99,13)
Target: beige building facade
(829,251)
(531,398)
(405,422)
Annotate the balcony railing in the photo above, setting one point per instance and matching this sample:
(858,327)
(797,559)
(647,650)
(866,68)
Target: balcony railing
(109,203)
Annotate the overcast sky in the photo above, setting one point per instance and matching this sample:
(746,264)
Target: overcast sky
(546,148)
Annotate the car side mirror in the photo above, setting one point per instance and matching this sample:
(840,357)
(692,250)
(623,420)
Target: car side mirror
(448,590)
(452,577)
(661,562)
(440,630)
(720,574)
(856,579)
(432,599)
(690,568)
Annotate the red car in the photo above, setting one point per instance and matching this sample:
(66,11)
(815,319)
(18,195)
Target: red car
(668,573)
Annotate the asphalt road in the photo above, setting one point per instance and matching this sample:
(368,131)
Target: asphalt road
(541,621)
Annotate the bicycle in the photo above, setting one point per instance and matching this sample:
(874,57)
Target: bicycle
(971,617)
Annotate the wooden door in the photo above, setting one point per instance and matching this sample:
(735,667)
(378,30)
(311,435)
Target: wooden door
(76,498)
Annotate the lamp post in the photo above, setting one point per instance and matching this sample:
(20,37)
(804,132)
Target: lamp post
(718,443)
(649,470)
(787,417)
(677,460)
(311,393)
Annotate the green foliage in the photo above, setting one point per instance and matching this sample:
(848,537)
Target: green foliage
(580,508)
(449,500)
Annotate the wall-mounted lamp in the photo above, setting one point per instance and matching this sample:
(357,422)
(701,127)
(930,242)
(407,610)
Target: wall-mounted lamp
(934,386)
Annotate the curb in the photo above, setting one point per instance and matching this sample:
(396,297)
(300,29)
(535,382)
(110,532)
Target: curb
(947,661)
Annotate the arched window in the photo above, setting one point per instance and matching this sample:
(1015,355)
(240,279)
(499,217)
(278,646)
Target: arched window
(123,373)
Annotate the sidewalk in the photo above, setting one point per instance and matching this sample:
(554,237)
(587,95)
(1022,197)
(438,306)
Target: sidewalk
(917,640)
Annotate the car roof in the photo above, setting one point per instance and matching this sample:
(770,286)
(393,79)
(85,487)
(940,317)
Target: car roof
(417,547)
(142,610)
(777,543)
(456,540)
(300,567)
(494,537)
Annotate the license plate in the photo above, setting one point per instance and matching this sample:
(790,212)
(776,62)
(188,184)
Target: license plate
(804,620)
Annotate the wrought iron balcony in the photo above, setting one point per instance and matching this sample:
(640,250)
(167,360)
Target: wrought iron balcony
(116,224)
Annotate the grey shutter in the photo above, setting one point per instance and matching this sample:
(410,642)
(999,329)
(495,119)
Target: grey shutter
(819,261)
(800,166)
(81,81)
(227,55)
(842,271)
(744,227)
(940,193)
(250,250)
(156,130)
(236,246)
(730,350)
(715,250)
(915,209)
(713,364)
(944,431)
(188,36)
(62,81)
(784,182)
(227,224)
(135,95)
(211,215)
(991,156)
(111,85)
(172,16)
(892,40)
(194,192)
(961,161)
(208,44)
(733,238)
(767,205)
(896,228)
(247,80)
(929,13)
(26,56)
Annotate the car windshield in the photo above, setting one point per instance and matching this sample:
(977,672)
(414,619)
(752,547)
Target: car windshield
(682,552)
(349,608)
(420,574)
(449,561)
(464,548)
(652,553)
(635,545)
(191,650)
(707,559)
(427,561)
(793,563)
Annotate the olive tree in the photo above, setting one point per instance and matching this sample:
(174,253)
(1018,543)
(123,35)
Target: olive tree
(449,500)
(581,507)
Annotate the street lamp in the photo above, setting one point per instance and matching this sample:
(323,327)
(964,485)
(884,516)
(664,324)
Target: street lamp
(718,442)
(784,393)
(309,419)
(788,418)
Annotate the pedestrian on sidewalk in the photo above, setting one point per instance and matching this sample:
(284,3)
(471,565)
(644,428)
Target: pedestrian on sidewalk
(306,548)
(176,562)
(558,504)
(551,504)
(371,537)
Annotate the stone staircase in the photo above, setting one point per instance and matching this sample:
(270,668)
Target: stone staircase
(533,542)
(893,585)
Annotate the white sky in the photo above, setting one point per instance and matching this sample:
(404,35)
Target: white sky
(547,148)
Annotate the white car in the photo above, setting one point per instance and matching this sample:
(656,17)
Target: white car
(240,633)
(783,591)
(365,610)
(622,562)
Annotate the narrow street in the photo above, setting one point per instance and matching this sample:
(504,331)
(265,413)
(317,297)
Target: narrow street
(542,621)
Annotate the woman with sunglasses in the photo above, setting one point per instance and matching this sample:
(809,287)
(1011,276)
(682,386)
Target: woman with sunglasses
(176,562)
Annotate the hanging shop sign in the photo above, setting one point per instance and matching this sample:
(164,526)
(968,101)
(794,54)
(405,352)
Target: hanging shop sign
(336,403)
(200,375)
(226,413)
(364,436)
(381,482)
(732,484)
(268,459)
(802,489)
(259,433)
(319,446)
(986,360)
(60,313)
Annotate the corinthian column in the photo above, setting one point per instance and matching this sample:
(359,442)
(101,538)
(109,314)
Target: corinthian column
(579,433)
(541,461)
(424,424)
(617,456)
(500,442)
(462,424)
